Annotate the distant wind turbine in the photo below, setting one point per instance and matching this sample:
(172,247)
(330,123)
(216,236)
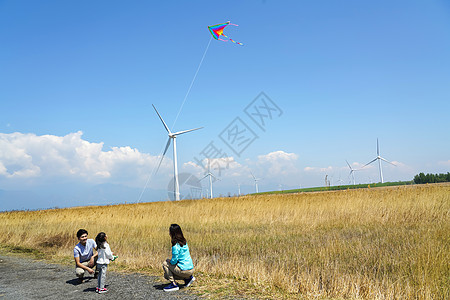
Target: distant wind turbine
(172,136)
(256,182)
(339,181)
(210,179)
(239,187)
(379,158)
(352,172)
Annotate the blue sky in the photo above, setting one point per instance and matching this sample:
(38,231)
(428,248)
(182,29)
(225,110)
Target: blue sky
(78,78)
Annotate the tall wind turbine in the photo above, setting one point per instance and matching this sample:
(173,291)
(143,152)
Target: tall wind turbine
(379,158)
(210,179)
(256,182)
(352,172)
(172,136)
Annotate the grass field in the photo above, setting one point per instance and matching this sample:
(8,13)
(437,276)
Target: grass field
(387,243)
(338,187)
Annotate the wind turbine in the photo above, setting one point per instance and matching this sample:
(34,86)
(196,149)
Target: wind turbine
(239,187)
(340,180)
(352,172)
(256,182)
(210,179)
(379,158)
(172,136)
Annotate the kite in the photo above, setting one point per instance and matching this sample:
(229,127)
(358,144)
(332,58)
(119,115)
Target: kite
(217,31)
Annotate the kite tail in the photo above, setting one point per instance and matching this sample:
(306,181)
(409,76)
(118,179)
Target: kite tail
(232,24)
(222,40)
(232,40)
(236,42)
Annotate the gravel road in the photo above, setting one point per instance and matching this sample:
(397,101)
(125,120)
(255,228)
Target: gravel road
(24,278)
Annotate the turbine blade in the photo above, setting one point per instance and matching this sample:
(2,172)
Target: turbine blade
(165,126)
(349,165)
(204,176)
(164,153)
(185,131)
(387,161)
(370,162)
(167,147)
(378,149)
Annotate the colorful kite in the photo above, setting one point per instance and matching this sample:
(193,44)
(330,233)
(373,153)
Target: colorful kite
(217,31)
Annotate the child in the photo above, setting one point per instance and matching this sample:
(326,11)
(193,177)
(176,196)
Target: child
(104,256)
(180,266)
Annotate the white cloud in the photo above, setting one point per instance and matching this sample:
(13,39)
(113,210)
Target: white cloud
(225,166)
(26,156)
(319,169)
(278,163)
(278,156)
(272,165)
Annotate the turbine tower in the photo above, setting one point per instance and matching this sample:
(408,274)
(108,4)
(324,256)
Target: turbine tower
(379,158)
(210,179)
(239,187)
(256,182)
(172,136)
(352,172)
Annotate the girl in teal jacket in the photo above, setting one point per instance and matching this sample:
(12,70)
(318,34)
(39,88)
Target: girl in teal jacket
(180,266)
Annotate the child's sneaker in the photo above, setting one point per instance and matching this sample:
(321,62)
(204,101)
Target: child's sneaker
(103,290)
(189,281)
(96,289)
(171,287)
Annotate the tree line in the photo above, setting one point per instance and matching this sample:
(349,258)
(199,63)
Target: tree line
(431,178)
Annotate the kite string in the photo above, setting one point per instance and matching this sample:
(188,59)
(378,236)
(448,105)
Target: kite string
(192,82)
(179,111)
(149,176)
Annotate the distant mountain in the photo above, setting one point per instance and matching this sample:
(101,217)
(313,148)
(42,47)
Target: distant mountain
(21,200)
(68,195)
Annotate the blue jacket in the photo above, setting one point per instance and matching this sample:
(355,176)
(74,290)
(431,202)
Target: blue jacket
(181,257)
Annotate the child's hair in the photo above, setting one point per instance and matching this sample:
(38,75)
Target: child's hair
(81,232)
(100,240)
(177,235)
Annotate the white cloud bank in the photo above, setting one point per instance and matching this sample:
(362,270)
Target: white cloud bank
(32,157)
(274,167)
(278,163)
(26,158)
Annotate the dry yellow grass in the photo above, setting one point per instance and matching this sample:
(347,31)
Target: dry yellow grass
(388,243)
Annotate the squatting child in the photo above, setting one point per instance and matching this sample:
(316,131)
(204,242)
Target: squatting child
(180,266)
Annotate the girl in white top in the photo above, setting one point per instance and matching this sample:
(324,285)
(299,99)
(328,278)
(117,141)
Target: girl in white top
(105,255)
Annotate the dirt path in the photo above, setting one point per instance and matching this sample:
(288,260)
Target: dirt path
(24,278)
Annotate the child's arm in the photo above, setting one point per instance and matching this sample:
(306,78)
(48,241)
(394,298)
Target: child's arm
(108,252)
(175,252)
